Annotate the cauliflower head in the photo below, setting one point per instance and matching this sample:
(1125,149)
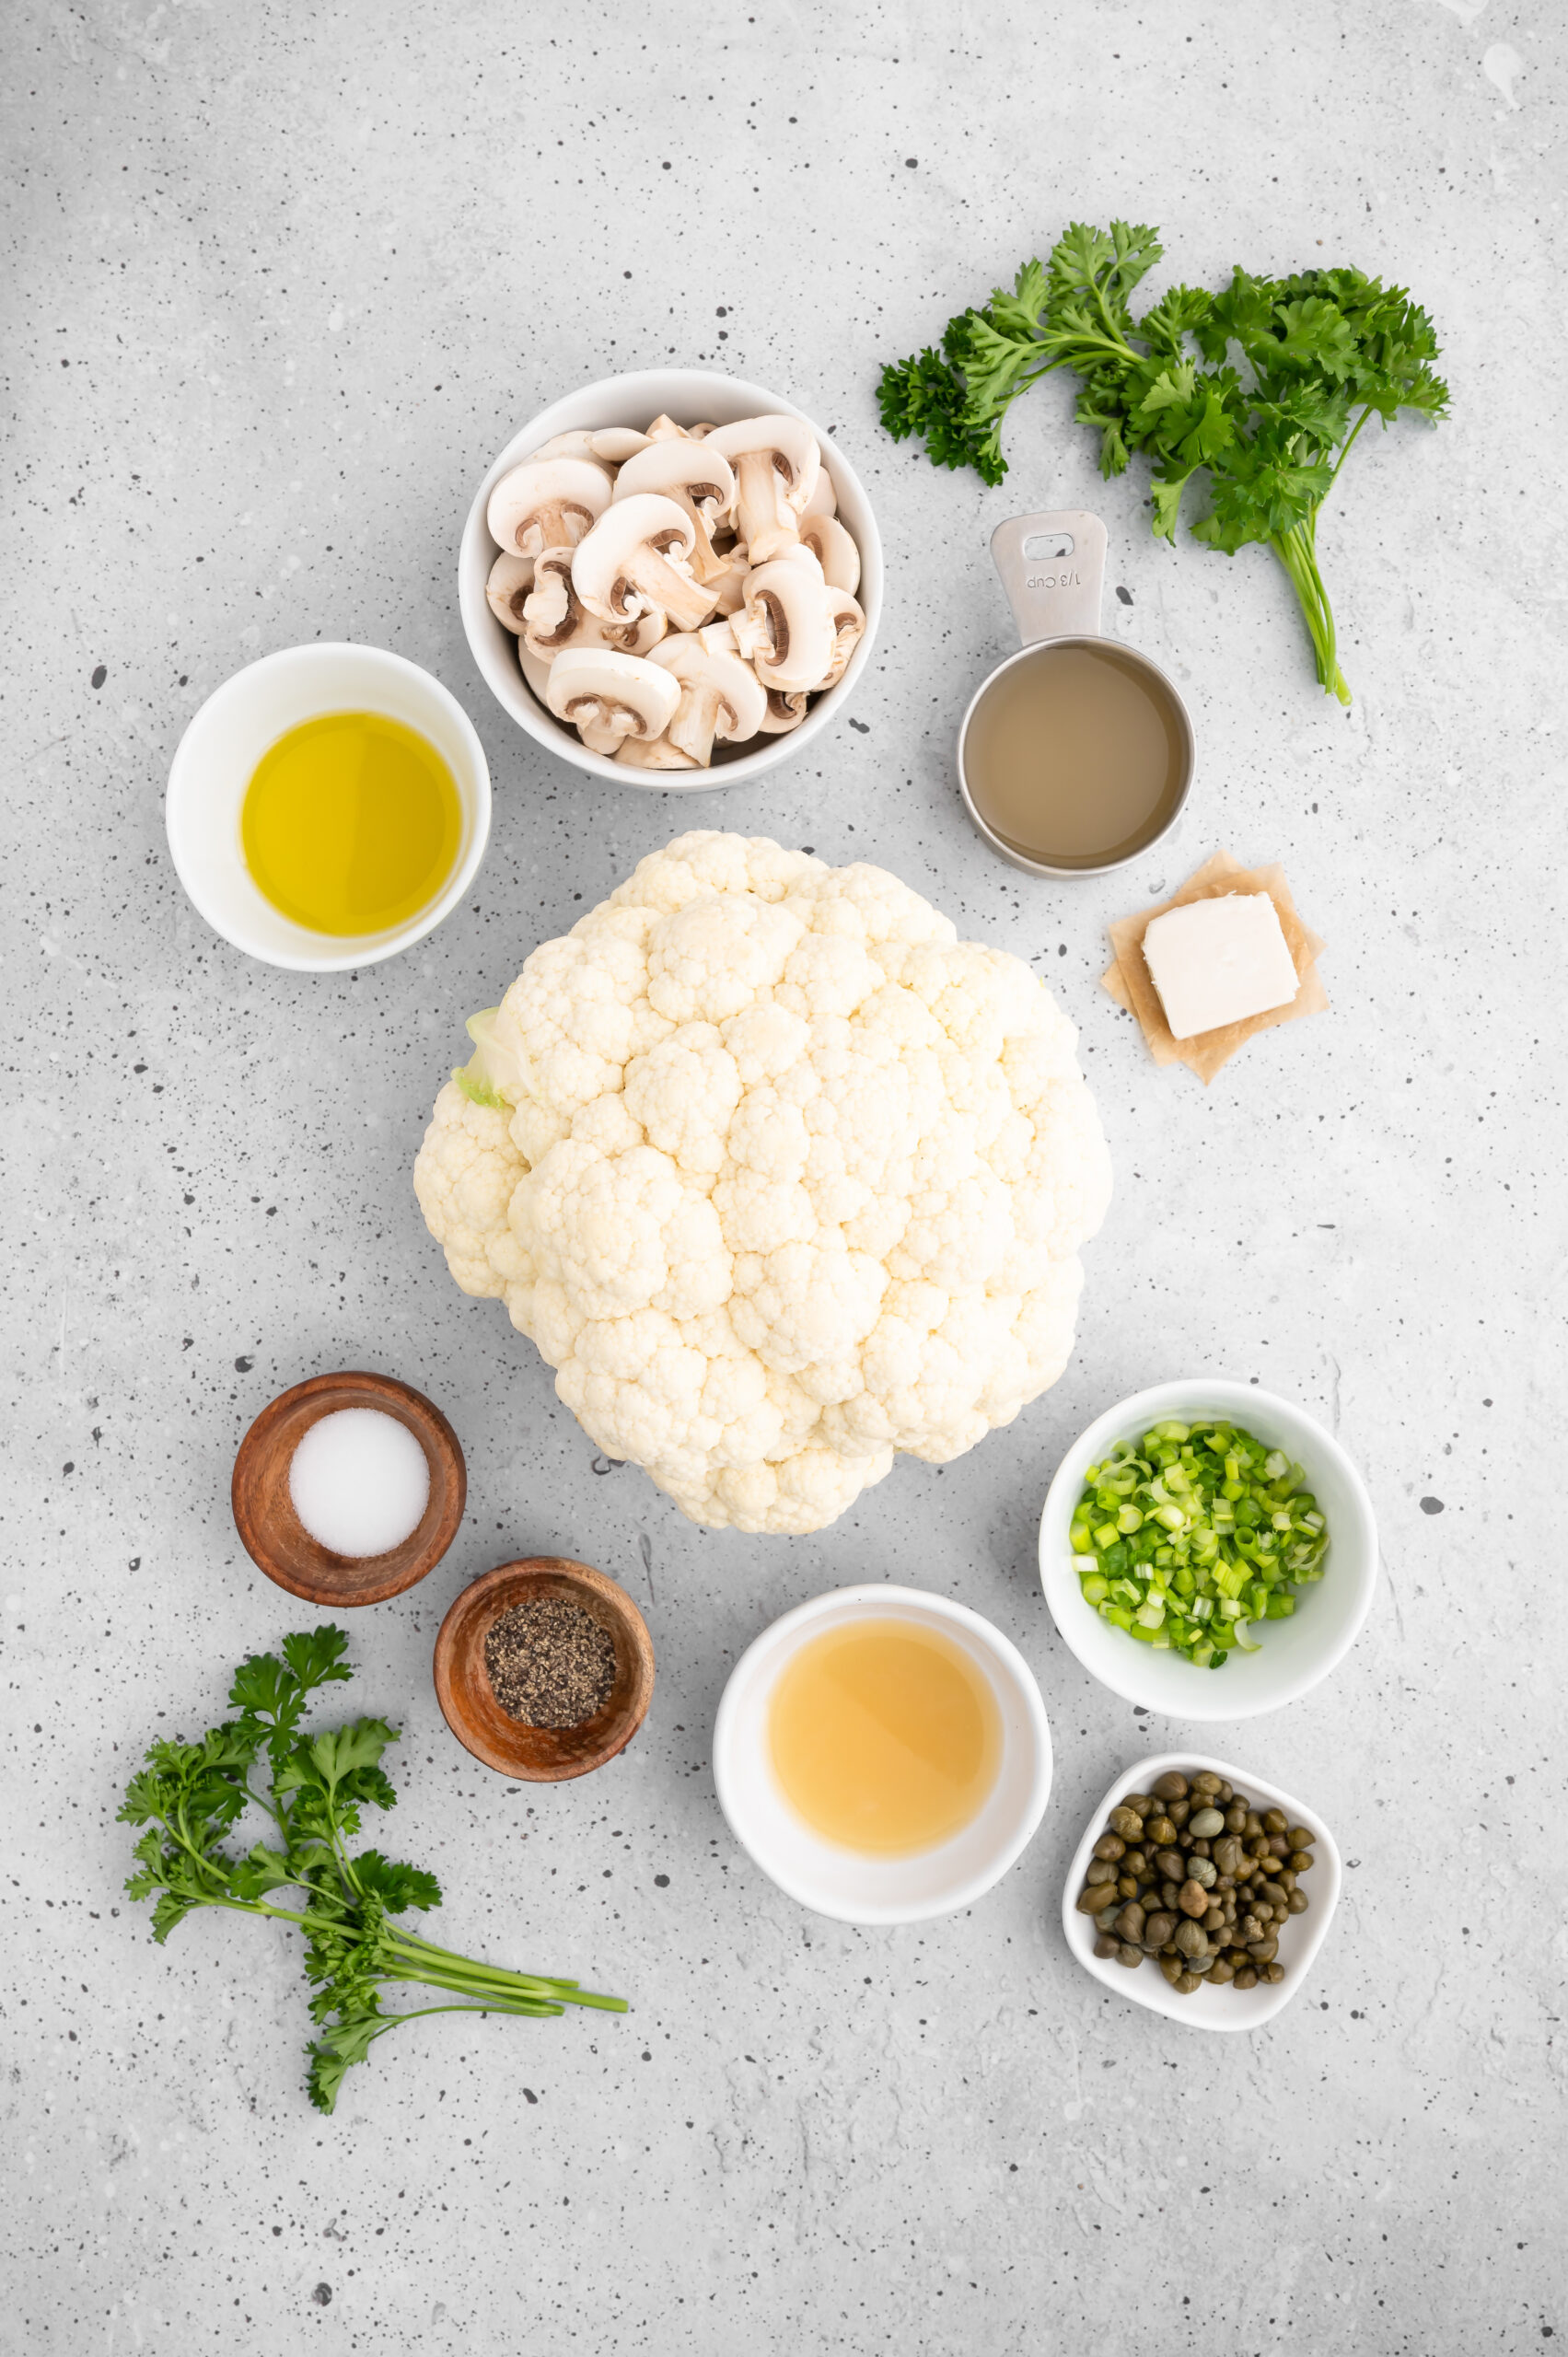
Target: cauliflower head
(779,1175)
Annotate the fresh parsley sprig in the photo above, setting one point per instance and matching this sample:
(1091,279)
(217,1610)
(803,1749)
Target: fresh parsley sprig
(190,1796)
(1321,353)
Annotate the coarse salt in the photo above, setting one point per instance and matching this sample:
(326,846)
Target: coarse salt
(360,1482)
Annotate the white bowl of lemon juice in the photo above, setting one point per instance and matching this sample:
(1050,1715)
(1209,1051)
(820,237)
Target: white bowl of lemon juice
(328,806)
(883,1753)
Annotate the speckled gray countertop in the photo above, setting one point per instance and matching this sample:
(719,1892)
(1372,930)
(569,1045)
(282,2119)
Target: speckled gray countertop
(281,280)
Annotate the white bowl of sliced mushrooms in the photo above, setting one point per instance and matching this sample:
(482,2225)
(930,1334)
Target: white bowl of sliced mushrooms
(672,579)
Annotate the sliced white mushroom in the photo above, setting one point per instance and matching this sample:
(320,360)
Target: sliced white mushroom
(697,480)
(848,624)
(554,617)
(776,463)
(664,429)
(547,503)
(718,635)
(536,673)
(577,443)
(613,445)
(637,559)
(824,499)
(608,697)
(511,578)
(780,713)
(834,551)
(699,433)
(653,753)
(722,699)
(784,628)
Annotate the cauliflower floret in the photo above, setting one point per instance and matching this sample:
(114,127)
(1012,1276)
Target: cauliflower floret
(780,1176)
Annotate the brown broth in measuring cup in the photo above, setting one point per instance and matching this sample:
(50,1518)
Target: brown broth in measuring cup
(1076,753)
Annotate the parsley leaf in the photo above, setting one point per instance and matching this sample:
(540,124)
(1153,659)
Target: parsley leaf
(190,1795)
(1321,353)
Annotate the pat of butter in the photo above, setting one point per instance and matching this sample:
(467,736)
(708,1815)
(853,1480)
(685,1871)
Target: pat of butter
(1218,961)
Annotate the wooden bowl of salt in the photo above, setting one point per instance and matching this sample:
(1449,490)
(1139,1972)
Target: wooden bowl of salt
(538,1639)
(350,1512)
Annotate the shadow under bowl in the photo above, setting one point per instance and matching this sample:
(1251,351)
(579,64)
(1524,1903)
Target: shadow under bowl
(541,1754)
(276,1538)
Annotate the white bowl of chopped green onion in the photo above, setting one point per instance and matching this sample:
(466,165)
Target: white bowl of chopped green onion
(1208,1550)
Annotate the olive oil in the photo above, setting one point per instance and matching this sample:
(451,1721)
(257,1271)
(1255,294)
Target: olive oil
(351,824)
(1076,754)
(885,1736)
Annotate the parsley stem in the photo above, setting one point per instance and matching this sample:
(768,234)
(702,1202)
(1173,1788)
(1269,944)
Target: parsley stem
(1296,551)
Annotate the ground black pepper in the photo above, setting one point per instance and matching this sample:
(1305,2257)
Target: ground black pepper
(549,1664)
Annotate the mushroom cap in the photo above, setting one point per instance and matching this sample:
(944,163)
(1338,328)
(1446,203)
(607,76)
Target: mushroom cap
(653,753)
(685,471)
(594,687)
(781,713)
(788,441)
(511,578)
(546,502)
(536,673)
(834,551)
(613,445)
(787,631)
(605,560)
(847,624)
(721,697)
(578,443)
(664,429)
(823,499)
(554,617)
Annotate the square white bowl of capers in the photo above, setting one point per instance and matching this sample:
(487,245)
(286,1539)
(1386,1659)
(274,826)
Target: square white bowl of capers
(1298,1936)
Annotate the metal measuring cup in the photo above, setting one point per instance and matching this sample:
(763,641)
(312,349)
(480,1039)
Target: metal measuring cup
(1053,568)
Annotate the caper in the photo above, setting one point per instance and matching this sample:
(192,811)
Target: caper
(1109,1845)
(1160,1832)
(1299,1838)
(1298,1902)
(1286,1880)
(1126,1822)
(1226,1854)
(1187,1983)
(1127,1883)
(1246,1978)
(1098,1897)
(1279,1847)
(1301,1861)
(1275,1893)
(1141,1802)
(1204,1823)
(1191,1938)
(1172,1968)
(1220,1971)
(1172,1866)
(1249,1930)
(1274,1972)
(1275,1820)
(1098,1870)
(1135,1862)
(1170,1892)
(1213,1920)
(1160,1928)
(1129,1956)
(1263,1951)
(1171,1786)
(1130,1923)
(1225,1796)
(1106,1945)
(1202,1872)
(1252,1826)
(1192,1898)
(1178,1811)
(1257,1850)
(1206,1783)
(1235,1818)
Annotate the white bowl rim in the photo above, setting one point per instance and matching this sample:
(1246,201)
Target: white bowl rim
(1158,1403)
(784,1635)
(374,949)
(477,552)
(1149,1989)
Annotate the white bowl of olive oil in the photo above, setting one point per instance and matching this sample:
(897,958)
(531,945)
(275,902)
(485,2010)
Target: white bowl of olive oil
(883,1753)
(328,806)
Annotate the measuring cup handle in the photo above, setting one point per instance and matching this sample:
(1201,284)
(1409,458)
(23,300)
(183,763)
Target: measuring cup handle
(1053,568)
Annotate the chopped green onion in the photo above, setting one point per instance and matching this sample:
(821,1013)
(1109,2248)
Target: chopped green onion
(1190,1534)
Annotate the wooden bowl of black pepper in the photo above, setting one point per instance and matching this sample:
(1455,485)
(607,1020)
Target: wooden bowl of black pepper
(544,1668)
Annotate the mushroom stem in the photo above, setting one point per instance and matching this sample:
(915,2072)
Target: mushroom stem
(650,578)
